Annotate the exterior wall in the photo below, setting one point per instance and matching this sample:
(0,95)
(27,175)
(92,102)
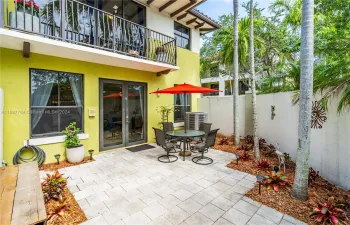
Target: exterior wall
(164,24)
(220,113)
(14,80)
(159,22)
(330,146)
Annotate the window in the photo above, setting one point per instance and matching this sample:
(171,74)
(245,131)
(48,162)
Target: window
(182,36)
(127,9)
(179,107)
(56,99)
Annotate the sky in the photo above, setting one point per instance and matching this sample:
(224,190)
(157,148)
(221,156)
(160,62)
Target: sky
(215,8)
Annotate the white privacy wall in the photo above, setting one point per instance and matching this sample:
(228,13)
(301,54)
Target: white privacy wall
(330,146)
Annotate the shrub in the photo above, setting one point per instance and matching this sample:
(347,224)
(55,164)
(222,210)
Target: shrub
(53,186)
(249,140)
(313,175)
(223,141)
(276,180)
(244,147)
(286,157)
(262,164)
(71,133)
(245,156)
(328,213)
(262,142)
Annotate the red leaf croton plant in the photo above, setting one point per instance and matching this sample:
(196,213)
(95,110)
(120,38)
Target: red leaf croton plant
(329,213)
(28,5)
(276,180)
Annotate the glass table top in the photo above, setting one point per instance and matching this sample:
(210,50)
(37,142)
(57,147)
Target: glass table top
(187,133)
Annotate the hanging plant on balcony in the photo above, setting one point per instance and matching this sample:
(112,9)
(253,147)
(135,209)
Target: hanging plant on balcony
(27,6)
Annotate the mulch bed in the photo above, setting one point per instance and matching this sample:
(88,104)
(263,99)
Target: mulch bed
(63,164)
(281,200)
(66,212)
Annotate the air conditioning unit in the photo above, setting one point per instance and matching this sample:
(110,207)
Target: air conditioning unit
(194,119)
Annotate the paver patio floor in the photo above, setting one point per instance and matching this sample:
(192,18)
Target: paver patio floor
(122,187)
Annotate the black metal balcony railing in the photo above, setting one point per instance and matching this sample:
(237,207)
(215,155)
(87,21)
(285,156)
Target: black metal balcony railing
(78,23)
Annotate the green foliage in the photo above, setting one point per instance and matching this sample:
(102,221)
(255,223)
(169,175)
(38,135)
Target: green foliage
(164,112)
(53,186)
(277,49)
(71,133)
(276,180)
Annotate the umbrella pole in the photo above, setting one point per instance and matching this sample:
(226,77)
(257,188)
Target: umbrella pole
(185,96)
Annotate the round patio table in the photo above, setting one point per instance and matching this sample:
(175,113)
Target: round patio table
(182,134)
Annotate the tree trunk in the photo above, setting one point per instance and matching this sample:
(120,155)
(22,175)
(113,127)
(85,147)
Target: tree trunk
(300,186)
(252,73)
(235,73)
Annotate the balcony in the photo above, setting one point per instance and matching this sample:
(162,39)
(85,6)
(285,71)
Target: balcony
(71,29)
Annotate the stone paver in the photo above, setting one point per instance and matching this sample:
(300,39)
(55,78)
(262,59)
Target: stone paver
(126,188)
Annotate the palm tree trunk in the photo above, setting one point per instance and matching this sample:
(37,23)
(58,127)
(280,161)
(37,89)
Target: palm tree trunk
(252,73)
(235,72)
(300,187)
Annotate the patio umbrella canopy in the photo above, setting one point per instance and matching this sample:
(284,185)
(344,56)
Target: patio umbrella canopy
(185,89)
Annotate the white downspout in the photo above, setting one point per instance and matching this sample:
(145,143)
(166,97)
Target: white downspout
(1,126)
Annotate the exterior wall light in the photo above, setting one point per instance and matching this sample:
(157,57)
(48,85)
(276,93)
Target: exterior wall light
(237,158)
(260,179)
(91,151)
(57,157)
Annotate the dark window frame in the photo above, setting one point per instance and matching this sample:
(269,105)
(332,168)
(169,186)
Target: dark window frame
(189,103)
(182,37)
(53,134)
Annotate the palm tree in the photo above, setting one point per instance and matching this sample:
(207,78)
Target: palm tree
(300,187)
(290,10)
(252,73)
(235,72)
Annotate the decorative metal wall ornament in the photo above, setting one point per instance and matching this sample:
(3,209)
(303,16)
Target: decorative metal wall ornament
(273,114)
(318,115)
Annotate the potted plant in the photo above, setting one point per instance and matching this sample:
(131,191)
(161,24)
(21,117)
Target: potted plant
(74,150)
(25,16)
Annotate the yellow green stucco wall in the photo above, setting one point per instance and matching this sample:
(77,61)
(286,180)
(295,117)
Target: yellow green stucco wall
(14,80)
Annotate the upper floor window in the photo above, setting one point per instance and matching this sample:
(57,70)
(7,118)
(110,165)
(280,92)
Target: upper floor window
(182,36)
(126,9)
(56,99)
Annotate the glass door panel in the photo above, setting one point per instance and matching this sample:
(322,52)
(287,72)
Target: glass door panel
(122,113)
(112,109)
(136,113)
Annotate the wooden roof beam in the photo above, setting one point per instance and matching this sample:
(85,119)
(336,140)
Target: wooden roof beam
(183,8)
(182,16)
(206,29)
(149,2)
(199,25)
(166,5)
(191,21)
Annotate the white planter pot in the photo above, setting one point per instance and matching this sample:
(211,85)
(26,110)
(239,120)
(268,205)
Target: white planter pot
(31,23)
(75,155)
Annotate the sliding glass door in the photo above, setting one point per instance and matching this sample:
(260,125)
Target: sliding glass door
(123,110)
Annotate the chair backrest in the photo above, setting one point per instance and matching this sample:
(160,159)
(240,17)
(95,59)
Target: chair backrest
(211,138)
(205,127)
(160,136)
(167,126)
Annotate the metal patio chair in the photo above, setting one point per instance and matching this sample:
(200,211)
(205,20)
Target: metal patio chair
(202,127)
(204,147)
(167,146)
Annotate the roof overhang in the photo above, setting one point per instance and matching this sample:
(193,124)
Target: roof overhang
(12,39)
(184,12)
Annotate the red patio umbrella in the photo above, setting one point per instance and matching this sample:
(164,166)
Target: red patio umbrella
(185,89)
(119,95)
